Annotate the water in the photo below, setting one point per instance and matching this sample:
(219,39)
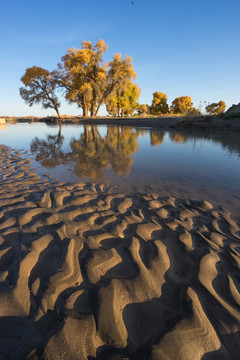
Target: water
(200,166)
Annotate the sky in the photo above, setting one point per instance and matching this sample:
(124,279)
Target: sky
(178,47)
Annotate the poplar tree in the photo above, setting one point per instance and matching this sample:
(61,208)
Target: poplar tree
(181,105)
(40,87)
(82,74)
(89,81)
(123,101)
(216,108)
(159,104)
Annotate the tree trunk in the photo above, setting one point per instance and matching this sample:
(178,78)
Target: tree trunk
(85,111)
(98,107)
(58,114)
(93,106)
(118,112)
(92,111)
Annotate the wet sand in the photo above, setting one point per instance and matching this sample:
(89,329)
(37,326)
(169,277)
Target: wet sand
(89,273)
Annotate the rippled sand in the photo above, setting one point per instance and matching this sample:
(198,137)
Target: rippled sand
(89,274)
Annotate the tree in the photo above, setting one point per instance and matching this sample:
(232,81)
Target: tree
(120,74)
(143,109)
(83,75)
(40,86)
(181,105)
(123,100)
(216,108)
(88,80)
(159,104)
(193,112)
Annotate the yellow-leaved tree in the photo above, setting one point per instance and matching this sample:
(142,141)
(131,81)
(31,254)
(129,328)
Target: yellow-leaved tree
(40,87)
(216,108)
(83,75)
(159,104)
(87,80)
(143,109)
(181,105)
(123,100)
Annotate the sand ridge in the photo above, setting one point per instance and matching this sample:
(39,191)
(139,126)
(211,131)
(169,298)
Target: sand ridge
(86,274)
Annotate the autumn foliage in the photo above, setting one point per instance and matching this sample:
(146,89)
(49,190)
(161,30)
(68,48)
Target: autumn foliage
(181,105)
(85,79)
(123,101)
(40,87)
(82,76)
(143,109)
(216,108)
(159,104)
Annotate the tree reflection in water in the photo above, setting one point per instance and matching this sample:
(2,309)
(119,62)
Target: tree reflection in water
(178,138)
(88,154)
(92,154)
(49,152)
(122,143)
(156,137)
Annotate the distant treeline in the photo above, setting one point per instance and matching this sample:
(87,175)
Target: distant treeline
(86,80)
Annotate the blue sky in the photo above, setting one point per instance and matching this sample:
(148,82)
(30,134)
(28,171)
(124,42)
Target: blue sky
(178,47)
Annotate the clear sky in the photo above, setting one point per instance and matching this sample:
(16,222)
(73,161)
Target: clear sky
(178,47)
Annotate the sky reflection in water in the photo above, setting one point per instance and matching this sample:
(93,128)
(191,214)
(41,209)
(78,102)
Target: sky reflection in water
(201,166)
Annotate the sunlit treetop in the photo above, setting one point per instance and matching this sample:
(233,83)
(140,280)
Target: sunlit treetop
(159,104)
(181,105)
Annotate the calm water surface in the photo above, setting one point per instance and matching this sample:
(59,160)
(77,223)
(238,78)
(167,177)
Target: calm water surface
(199,166)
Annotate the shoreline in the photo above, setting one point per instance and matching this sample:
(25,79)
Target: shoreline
(90,273)
(231,123)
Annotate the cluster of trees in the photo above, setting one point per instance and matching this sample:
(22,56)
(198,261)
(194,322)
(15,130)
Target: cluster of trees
(181,105)
(86,80)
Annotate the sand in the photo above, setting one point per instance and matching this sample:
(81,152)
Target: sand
(87,273)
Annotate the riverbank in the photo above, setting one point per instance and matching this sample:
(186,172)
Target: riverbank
(88,273)
(176,123)
(221,123)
